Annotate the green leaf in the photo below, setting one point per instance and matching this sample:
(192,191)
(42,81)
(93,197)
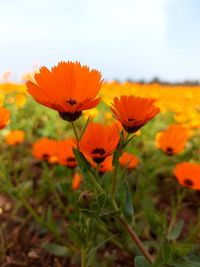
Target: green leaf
(176,231)
(76,235)
(116,155)
(102,200)
(166,251)
(186,263)
(55,249)
(181,250)
(164,255)
(93,251)
(49,214)
(82,162)
(140,261)
(126,202)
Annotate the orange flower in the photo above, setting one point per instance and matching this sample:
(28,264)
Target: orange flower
(188,174)
(76,182)
(65,153)
(68,88)
(128,160)
(4,117)
(133,112)
(104,166)
(45,149)
(99,141)
(15,137)
(172,140)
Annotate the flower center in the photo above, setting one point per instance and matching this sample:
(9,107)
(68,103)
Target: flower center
(100,151)
(68,116)
(45,156)
(71,102)
(130,119)
(71,159)
(188,182)
(169,151)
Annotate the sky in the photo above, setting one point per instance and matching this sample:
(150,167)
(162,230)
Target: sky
(124,39)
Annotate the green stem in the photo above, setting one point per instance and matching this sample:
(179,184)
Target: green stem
(83,258)
(136,239)
(114,180)
(38,219)
(94,183)
(84,128)
(176,208)
(133,235)
(49,180)
(75,132)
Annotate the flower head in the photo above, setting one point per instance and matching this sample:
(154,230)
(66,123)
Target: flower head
(4,117)
(172,140)
(99,141)
(15,137)
(133,112)
(104,166)
(68,88)
(65,153)
(128,160)
(76,182)
(188,174)
(45,149)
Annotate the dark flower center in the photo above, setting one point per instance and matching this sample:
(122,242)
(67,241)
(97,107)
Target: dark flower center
(131,129)
(130,119)
(71,159)
(100,151)
(69,116)
(188,182)
(45,156)
(71,102)
(170,151)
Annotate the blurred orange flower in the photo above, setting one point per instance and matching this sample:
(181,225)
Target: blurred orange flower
(104,166)
(65,153)
(128,160)
(4,117)
(68,88)
(15,137)
(188,174)
(76,182)
(173,139)
(133,112)
(99,141)
(45,149)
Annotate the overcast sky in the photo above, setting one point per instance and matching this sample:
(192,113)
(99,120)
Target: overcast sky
(138,39)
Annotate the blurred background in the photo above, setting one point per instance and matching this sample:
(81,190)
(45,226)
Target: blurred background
(129,39)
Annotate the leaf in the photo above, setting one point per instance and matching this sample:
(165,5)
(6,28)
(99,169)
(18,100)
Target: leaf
(116,155)
(82,162)
(186,263)
(55,249)
(164,255)
(102,200)
(181,250)
(166,251)
(93,251)
(176,231)
(140,261)
(126,202)
(49,214)
(76,235)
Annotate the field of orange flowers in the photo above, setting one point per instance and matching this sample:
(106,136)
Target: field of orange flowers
(98,174)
